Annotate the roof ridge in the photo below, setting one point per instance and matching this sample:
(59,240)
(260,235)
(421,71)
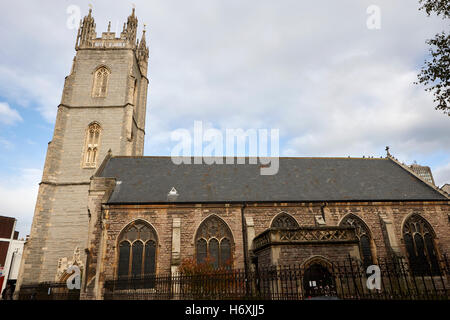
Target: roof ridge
(247,157)
(429,185)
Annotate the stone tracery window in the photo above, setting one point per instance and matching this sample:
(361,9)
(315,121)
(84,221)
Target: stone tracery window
(137,250)
(100,82)
(92,145)
(363,234)
(419,242)
(214,240)
(284,221)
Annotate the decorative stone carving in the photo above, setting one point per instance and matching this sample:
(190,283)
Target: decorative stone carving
(305,235)
(213,227)
(65,263)
(284,221)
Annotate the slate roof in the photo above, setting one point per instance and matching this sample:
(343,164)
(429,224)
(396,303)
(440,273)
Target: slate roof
(149,180)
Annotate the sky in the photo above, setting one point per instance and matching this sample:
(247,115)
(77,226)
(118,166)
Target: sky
(312,69)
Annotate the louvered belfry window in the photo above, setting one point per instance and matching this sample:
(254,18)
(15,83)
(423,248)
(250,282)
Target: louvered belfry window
(100,82)
(363,234)
(137,250)
(214,241)
(92,145)
(418,236)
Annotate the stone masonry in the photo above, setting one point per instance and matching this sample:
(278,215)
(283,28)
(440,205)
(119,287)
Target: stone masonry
(61,217)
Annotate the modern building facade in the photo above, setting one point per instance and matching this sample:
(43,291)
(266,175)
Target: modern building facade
(11,248)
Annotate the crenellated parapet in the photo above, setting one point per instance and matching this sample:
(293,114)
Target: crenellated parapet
(87,37)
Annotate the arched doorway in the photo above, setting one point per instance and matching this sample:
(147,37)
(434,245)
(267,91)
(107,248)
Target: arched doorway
(318,281)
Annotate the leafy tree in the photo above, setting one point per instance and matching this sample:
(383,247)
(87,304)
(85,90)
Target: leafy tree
(435,74)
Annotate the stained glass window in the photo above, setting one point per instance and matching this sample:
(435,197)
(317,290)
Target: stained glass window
(214,240)
(136,267)
(150,257)
(418,236)
(100,82)
(363,234)
(124,258)
(92,145)
(284,221)
(137,242)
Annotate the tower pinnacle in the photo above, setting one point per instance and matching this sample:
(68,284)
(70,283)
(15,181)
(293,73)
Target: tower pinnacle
(86,31)
(142,53)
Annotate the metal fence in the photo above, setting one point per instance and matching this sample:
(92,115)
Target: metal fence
(48,291)
(341,280)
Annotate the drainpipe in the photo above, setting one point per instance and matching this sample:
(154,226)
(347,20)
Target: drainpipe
(244,238)
(324,204)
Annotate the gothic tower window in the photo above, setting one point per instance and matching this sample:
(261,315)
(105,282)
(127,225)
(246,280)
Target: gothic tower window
(419,242)
(284,221)
(92,145)
(214,240)
(363,234)
(100,82)
(137,250)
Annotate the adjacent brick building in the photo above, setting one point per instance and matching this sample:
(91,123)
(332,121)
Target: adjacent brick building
(10,252)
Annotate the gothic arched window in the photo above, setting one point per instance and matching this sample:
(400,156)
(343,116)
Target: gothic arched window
(284,221)
(100,82)
(419,242)
(92,145)
(363,235)
(214,240)
(137,250)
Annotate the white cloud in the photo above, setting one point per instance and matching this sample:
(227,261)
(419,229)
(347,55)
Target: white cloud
(311,69)
(18,197)
(8,115)
(442,175)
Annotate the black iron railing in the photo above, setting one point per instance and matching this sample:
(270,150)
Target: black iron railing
(48,291)
(348,279)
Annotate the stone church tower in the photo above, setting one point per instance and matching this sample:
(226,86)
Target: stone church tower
(103,108)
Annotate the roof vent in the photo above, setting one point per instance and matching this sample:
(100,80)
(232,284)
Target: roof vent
(172,195)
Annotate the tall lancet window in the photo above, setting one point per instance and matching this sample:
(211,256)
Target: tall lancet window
(214,241)
(363,234)
(137,250)
(92,145)
(419,238)
(100,82)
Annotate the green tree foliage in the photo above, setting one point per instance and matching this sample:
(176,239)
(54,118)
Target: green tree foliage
(435,74)
(440,7)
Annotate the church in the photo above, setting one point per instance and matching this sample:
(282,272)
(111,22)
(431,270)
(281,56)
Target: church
(105,207)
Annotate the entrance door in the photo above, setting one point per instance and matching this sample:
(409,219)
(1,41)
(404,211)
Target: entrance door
(318,282)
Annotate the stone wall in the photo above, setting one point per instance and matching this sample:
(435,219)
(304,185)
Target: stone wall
(374,215)
(189,217)
(61,220)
